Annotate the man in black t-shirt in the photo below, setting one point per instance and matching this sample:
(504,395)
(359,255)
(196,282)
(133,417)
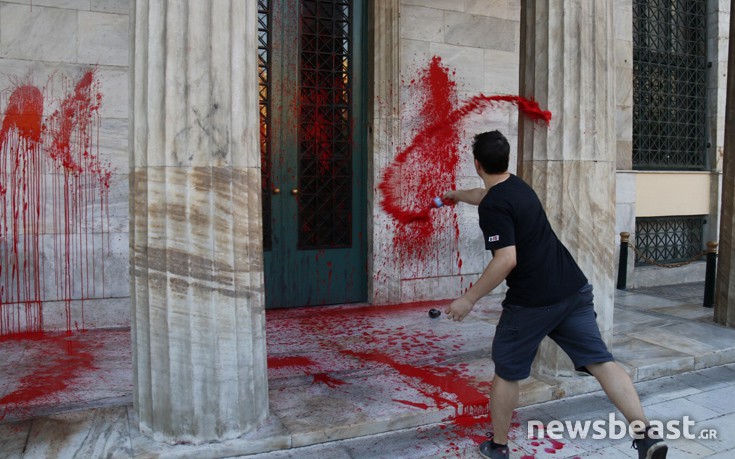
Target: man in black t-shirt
(548,295)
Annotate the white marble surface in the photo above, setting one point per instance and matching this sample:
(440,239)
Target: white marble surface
(103,38)
(38,33)
(470,30)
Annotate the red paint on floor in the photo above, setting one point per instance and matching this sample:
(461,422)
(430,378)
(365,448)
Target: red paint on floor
(295,361)
(327,380)
(422,406)
(66,360)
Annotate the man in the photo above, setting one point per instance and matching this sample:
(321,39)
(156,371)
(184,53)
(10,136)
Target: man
(548,295)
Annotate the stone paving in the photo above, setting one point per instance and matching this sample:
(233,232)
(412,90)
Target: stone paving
(359,381)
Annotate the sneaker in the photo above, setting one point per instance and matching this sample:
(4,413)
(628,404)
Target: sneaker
(488,452)
(650,448)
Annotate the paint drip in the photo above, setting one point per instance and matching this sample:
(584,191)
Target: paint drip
(428,165)
(54,203)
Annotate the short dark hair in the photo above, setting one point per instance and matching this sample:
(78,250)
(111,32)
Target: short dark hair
(492,151)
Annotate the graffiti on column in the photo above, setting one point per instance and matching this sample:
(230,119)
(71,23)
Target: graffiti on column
(54,188)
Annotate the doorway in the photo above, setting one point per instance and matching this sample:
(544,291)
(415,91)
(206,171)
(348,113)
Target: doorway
(313,136)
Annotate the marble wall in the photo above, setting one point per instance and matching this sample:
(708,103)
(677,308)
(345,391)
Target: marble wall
(50,45)
(477,42)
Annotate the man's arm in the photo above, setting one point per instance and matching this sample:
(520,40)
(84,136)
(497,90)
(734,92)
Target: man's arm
(496,271)
(473,196)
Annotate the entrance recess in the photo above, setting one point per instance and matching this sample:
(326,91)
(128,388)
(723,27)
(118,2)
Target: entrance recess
(313,136)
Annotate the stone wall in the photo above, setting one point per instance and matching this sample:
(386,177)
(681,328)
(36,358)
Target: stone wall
(478,43)
(66,62)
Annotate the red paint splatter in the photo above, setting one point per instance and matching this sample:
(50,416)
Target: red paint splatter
(444,385)
(557,445)
(71,360)
(428,166)
(21,206)
(550,450)
(397,342)
(52,182)
(423,406)
(324,378)
(528,457)
(297,361)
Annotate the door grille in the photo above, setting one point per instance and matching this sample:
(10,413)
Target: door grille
(325,121)
(264,20)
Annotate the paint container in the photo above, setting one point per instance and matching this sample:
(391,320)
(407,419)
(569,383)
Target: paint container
(434,313)
(438,202)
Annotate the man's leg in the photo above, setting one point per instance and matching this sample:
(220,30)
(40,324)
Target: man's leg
(503,400)
(619,388)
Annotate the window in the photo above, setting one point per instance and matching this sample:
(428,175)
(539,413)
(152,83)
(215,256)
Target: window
(668,239)
(669,84)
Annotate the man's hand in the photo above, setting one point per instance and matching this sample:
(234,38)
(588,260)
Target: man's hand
(459,309)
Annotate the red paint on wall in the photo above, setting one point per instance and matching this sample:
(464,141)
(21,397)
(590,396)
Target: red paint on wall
(557,445)
(54,205)
(21,197)
(428,166)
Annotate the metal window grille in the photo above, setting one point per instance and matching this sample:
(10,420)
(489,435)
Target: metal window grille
(668,239)
(669,84)
(264,20)
(325,145)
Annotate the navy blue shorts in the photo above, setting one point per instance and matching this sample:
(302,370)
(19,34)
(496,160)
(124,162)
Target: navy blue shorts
(571,323)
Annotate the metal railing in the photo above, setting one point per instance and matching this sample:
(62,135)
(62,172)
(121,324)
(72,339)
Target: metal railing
(709,281)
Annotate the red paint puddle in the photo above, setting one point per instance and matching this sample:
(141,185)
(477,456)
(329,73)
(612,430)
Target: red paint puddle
(68,359)
(53,202)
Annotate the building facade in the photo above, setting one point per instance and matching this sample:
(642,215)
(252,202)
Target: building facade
(195,163)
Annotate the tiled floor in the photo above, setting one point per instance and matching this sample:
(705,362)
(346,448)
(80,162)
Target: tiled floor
(347,372)
(55,372)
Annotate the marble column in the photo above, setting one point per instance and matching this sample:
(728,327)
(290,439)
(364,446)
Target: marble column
(567,65)
(384,283)
(725,284)
(195,221)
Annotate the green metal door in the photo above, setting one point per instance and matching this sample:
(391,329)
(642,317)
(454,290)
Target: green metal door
(313,134)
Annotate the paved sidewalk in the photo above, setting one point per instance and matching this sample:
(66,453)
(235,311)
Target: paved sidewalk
(706,396)
(360,381)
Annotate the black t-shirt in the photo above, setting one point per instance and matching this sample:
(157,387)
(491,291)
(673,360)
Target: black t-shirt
(545,272)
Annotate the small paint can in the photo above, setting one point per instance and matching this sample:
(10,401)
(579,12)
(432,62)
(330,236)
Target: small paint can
(438,202)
